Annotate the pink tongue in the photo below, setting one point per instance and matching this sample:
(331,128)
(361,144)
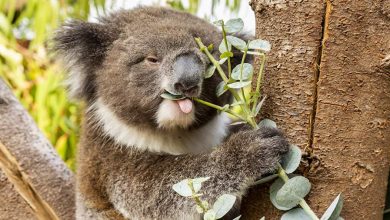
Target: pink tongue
(185,105)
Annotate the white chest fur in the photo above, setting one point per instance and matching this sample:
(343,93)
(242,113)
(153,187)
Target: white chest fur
(174,142)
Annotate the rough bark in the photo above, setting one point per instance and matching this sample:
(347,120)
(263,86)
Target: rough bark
(34,181)
(329,86)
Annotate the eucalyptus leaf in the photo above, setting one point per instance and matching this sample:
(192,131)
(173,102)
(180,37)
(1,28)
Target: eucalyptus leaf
(238,85)
(222,47)
(170,96)
(236,42)
(259,45)
(275,187)
(223,204)
(247,71)
(293,191)
(199,209)
(296,214)
(183,188)
(197,183)
(210,47)
(267,123)
(210,71)
(258,107)
(237,218)
(209,215)
(226,55)
(254,53)
(292,159)
(222,61)
(334,210)
(234,25)
(220,89)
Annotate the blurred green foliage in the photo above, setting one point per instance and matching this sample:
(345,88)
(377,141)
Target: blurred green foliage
(29,69)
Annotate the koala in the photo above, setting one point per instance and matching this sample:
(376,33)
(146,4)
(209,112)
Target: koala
(134,144)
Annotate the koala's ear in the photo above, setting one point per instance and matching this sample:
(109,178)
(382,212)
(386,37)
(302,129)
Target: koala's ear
(82,47)
(237,55)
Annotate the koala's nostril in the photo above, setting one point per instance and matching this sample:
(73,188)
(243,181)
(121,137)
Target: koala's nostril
(187,90)
(179,87)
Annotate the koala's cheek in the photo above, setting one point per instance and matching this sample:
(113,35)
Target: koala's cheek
(169,116)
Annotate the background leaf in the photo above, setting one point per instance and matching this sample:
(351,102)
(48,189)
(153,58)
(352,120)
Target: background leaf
(183,188)
(238,85)
(273,190)
(267,123)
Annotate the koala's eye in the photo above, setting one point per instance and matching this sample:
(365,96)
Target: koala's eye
(152,59)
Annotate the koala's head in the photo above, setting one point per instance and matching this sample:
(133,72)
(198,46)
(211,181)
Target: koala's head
(123,63)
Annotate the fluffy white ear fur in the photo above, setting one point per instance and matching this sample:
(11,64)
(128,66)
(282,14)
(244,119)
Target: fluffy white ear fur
(169,141)
(76,79)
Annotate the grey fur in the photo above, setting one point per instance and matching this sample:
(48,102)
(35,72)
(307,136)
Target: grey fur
(110,65)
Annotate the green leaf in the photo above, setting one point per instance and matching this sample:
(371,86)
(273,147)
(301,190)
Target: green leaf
(275,187)
(247,71)
(221,89)
(334,210)
(293,191)
(209,215)
(222,61)
(259,45)
(210,71)
(222,47)
(258,107)
(226,55)
(218,23)
(267,123)
(237,85)
(183,188)
(236,42)
(234,25)
(296,214)
(210,47)
(170,96)
(223,204)
(292,159)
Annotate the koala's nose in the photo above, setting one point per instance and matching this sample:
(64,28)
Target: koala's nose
(188,71)
(187,88)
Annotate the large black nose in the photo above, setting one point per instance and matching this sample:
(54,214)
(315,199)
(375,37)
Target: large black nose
(187,87)
(188,74)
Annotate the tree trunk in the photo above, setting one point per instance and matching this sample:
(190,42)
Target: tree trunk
(34,181)
(328,83)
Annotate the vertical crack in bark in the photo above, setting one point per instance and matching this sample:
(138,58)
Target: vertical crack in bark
(19,179)
(312,160)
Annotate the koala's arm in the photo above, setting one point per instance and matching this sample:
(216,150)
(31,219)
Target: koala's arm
(244,157)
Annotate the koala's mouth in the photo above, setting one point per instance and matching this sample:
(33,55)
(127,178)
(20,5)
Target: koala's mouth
(185,104)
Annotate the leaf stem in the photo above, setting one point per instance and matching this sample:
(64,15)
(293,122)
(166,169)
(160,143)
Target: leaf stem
(244,107)
(227,49)
(219,108)
(259,80)
(196,197)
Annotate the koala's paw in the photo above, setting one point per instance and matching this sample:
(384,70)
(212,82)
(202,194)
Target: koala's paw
(265,149)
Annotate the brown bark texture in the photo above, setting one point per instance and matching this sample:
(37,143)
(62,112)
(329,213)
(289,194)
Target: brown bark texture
(34,182)
(328,83)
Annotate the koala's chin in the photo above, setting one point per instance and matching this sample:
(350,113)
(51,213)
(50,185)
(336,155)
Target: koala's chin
(170,115)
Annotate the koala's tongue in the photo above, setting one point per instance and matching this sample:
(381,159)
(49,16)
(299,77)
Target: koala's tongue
(185,105)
